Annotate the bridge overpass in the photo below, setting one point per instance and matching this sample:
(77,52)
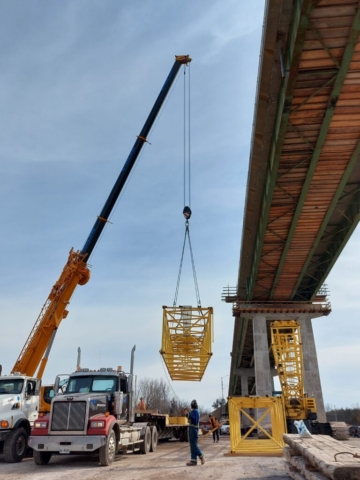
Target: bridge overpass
(303,188)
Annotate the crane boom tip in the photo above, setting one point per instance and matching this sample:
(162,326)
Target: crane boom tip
(185,59)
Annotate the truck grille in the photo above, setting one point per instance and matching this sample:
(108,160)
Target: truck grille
(68,416)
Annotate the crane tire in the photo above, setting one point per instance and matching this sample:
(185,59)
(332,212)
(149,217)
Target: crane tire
(15,445)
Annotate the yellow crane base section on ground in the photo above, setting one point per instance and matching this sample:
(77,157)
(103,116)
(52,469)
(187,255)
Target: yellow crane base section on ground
(254,415)
(187,341)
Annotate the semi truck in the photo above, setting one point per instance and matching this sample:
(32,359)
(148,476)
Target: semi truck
(95,414)
(16,417)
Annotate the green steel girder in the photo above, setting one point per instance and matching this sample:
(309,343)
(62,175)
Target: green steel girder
(340,78)
(334,249)
(304,160)
(300,21)
(325,47)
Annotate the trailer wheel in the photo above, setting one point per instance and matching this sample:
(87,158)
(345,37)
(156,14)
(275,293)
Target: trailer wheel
(42,458)
(15,445)
(154,438)
(107,452)
(145,445)
(184,435)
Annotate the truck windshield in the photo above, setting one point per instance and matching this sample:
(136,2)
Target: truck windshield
(11,386)
(91,384)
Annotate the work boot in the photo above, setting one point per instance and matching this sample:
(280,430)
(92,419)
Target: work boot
(192,464)
(202,460)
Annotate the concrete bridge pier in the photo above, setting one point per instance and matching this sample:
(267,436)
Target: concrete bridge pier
(263,377)
(312,382)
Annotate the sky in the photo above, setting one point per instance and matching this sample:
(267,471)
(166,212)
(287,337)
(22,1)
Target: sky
(77,82)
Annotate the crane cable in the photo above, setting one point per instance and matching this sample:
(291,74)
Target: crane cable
(187,183)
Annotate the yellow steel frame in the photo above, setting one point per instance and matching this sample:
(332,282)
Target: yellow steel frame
(287,349)
(267,407)
(186,341)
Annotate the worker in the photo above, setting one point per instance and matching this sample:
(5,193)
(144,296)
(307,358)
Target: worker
(214,427)
(142,404)
(194,418)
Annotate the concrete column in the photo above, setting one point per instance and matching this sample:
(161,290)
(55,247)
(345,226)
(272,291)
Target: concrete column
(244,385)
(263,376)
(312,383)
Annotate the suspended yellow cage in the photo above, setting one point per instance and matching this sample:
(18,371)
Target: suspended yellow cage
(187,341)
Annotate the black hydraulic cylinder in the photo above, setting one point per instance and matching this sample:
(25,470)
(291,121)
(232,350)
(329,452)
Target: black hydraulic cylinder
(130,162)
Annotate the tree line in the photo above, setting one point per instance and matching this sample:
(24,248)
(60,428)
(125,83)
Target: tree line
(158,396)
(347,415)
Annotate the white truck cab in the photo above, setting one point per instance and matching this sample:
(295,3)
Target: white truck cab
(19,407)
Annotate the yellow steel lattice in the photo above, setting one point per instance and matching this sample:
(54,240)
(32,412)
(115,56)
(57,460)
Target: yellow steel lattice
(265,410)
(287,350)
(186,341)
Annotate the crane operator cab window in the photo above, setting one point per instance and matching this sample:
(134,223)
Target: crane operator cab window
(12,387)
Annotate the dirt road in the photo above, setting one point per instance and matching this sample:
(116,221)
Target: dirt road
(168,462)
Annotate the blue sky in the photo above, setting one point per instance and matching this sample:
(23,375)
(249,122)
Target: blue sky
(78,80)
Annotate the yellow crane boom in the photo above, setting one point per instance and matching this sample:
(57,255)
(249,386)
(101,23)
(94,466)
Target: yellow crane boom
(34,354)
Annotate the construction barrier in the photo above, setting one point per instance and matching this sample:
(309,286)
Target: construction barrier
(187,341)
(265,410)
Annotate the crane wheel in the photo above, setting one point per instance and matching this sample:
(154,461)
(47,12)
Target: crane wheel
(15,446)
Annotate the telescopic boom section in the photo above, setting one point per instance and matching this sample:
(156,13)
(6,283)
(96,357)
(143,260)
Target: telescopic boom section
(35,352)
(141,139)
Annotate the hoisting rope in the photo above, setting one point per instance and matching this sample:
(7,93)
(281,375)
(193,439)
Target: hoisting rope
(187,211)
(187,236)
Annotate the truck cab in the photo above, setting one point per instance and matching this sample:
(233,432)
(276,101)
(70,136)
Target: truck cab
(19,407)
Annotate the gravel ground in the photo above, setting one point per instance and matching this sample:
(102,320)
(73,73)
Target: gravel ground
(168,462)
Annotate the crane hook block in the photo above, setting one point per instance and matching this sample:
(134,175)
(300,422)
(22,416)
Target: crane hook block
(187,213)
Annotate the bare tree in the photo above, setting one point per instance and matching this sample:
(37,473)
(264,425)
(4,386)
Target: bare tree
(156,394)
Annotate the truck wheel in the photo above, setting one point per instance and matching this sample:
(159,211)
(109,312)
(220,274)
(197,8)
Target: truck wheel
(42,458)
(145,445)
(15,445)
(154,438)
(107,452)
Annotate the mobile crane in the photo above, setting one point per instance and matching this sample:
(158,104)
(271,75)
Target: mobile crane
(19,391)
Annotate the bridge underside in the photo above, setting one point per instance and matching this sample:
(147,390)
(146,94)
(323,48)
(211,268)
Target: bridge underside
(304,174)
